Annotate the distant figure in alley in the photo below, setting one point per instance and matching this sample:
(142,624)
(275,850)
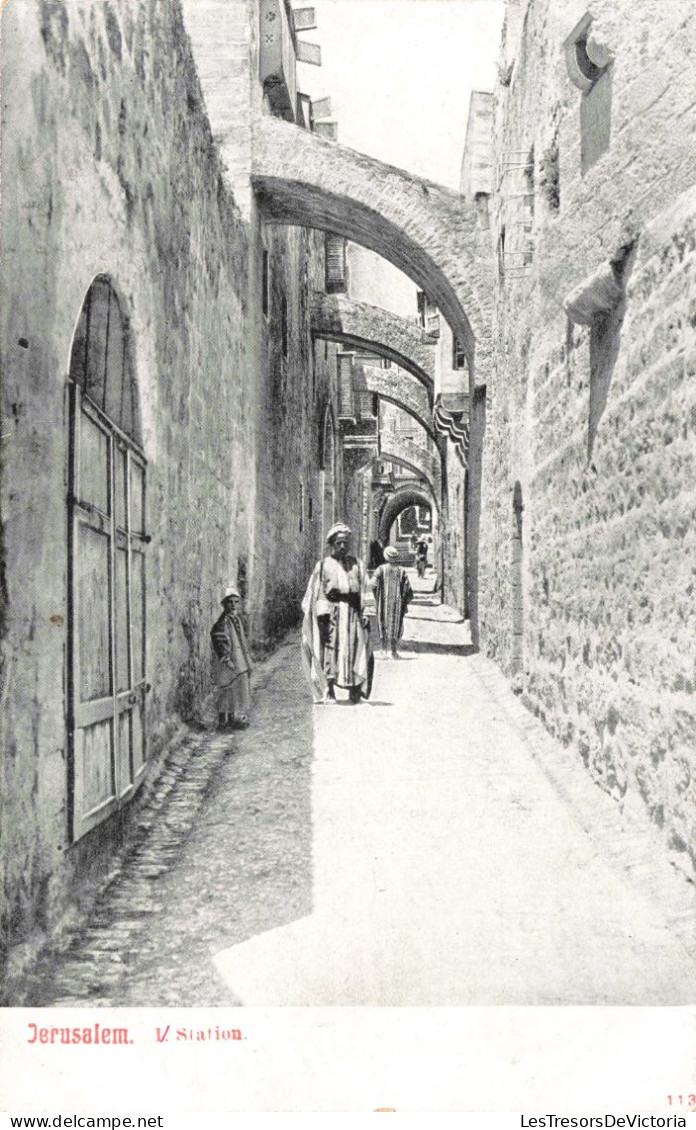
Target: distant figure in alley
(336,649)
(393,594)
(231,665)
(421,556)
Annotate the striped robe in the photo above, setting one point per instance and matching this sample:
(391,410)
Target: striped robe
(393,594)
(231,664)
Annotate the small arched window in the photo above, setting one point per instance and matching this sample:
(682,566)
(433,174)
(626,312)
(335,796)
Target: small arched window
(100,360)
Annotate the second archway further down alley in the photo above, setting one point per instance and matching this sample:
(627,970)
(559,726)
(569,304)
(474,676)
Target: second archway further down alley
(430,847)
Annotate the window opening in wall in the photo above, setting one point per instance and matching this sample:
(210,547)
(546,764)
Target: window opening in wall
(106,567)
(326,350)
(310,508)
(301,506)
(265,284)
(346,392)
(428,316)
(589,67)
(336,269)
(458,355)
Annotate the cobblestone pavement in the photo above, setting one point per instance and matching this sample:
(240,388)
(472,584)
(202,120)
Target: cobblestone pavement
(434,846)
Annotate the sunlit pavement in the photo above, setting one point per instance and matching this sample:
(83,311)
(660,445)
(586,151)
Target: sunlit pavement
(447,866)
(431,847)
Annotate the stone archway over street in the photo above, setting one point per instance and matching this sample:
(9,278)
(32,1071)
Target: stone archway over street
(367,327)
(428,231)
(396,391)
(399,501)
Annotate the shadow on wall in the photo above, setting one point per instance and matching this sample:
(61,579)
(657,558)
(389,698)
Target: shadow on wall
(195,693)
(255,836)
(605,341)
(223,855)
(194,676)
(284,612)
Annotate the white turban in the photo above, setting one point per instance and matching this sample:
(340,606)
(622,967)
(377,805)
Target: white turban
(339,528)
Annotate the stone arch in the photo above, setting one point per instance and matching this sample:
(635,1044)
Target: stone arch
(418,469)
(398,402)
(428,232)
(375,330)
(410,454)
(399,501)
(399,389)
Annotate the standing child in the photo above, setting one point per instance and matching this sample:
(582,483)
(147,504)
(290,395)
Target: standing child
(232,665)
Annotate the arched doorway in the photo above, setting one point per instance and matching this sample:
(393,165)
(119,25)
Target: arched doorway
(517,650)
(399,502)
(106,567)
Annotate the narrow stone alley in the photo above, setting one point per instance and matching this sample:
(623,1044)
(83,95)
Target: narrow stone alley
(431,847)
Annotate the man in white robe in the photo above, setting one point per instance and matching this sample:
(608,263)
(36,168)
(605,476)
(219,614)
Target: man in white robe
(336,649)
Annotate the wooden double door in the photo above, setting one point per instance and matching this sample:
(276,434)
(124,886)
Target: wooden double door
(107,639)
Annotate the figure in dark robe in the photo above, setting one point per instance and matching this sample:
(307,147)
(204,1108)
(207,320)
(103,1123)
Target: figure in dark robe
(421,556)
(376,557)
(231,665)
(393,594)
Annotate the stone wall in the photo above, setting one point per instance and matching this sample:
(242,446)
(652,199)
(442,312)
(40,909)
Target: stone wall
(453,529)
(590,418)
(289,449)
(109,167)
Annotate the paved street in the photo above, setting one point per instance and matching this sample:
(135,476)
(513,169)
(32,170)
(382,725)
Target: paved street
(431,847)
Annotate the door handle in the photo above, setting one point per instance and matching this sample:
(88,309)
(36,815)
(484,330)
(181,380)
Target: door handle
(132,699)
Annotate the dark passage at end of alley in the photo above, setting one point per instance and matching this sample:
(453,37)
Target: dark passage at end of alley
(428,847)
